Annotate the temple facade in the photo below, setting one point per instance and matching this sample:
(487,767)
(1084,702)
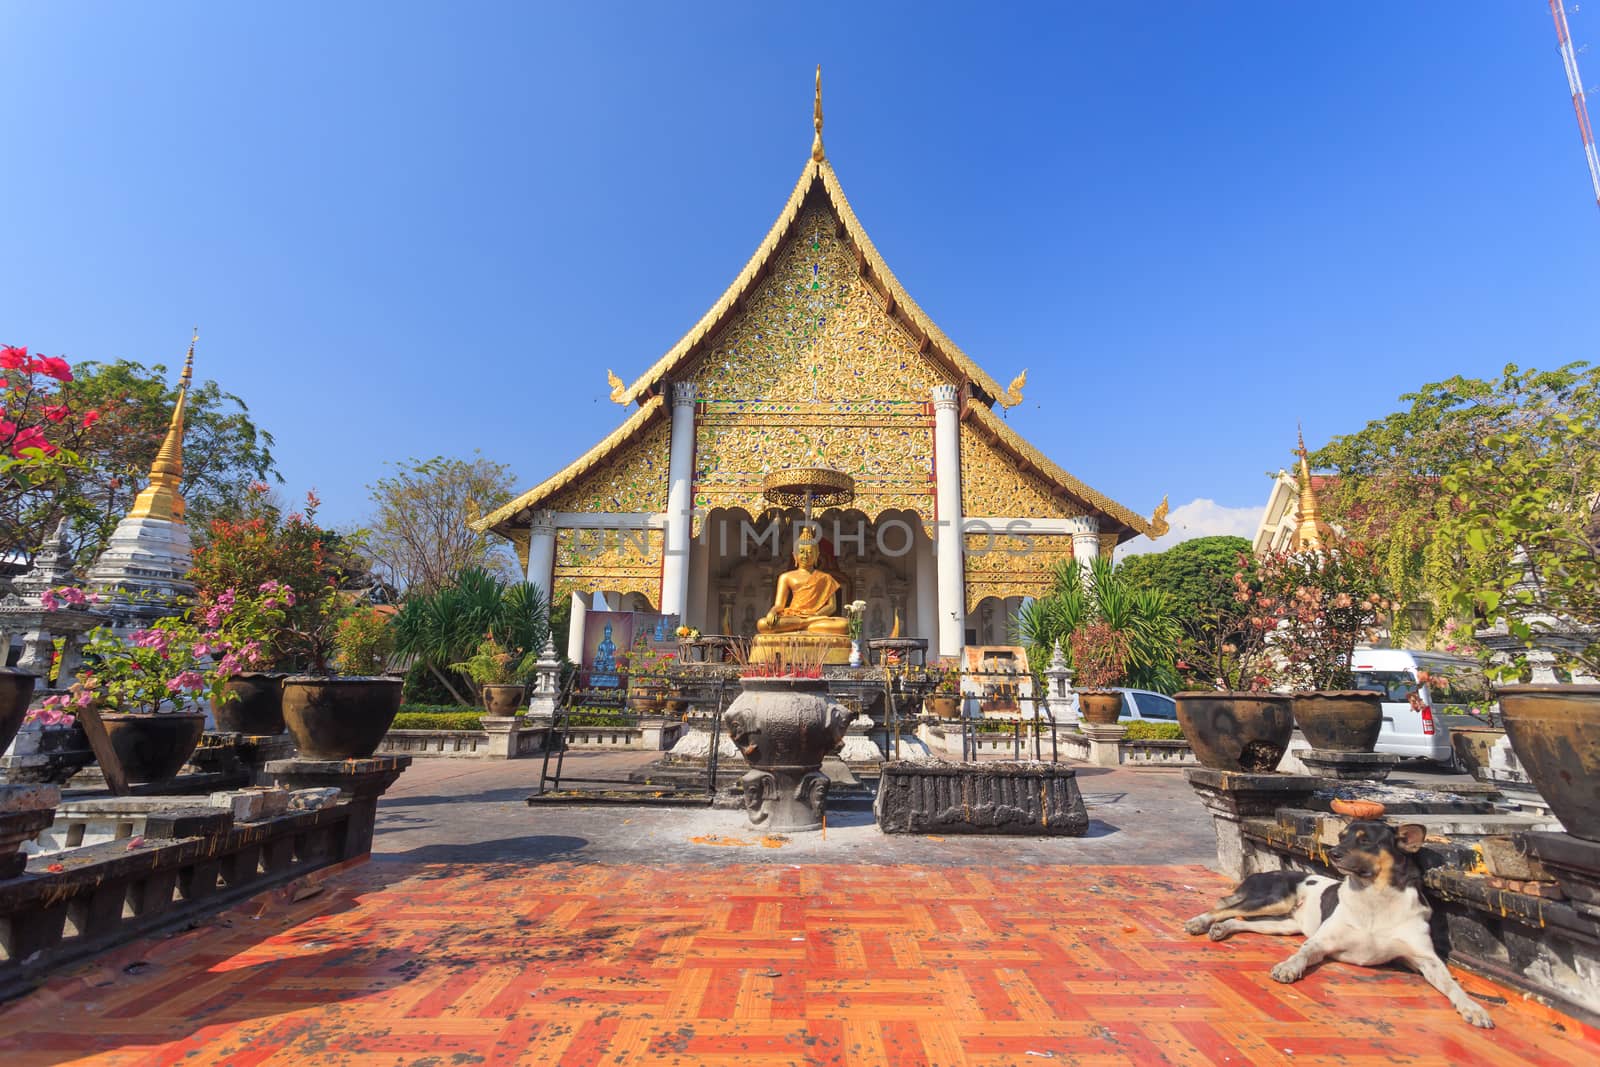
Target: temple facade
(815,357)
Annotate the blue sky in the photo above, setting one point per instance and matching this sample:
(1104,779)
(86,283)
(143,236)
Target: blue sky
(410,229)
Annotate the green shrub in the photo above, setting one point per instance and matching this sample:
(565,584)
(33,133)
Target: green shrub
(438,720)
(1146,730)
(599,717)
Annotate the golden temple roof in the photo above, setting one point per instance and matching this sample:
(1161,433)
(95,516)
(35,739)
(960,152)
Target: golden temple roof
(577,468)
(1013,442)
(160,499)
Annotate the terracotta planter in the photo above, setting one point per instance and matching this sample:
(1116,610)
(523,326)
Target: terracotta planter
(153,748)
(334,718)
(1103,707)
(943,707)
(252,703)
(1339,720)
(503,701)
(1246,732)
(1555,732)
(1471,745)
(16,690)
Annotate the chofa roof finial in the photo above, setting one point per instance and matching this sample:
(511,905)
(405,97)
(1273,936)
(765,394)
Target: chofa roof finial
(816,119)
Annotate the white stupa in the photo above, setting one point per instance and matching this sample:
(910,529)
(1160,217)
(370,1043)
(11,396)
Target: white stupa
(142,573)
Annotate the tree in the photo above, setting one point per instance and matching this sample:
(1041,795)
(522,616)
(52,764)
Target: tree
(116,415)
(1195,575)
(1524,528)
(1140,621)
(1390,492)
(444,626)
(419,535)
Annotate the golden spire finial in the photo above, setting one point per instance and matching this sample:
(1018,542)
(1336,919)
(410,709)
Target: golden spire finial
(1310,532)
(816,119)
(160,499)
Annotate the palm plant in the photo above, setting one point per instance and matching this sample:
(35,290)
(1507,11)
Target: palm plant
(445,627)
(1143,619)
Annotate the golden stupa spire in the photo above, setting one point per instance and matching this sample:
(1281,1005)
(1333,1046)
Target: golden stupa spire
(160,498)
(1310,532)
(816,120)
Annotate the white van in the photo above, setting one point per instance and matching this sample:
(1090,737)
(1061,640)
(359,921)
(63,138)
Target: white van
(1393,672)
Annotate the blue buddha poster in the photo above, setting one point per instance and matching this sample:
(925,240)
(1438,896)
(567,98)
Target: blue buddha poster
(607,639)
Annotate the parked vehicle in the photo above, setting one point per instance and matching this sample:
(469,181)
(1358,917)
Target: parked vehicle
(1141,704)
(1411,731)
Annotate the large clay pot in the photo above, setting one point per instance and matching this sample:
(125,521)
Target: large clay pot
(1555,732)
(1471,745)
(65,750)
(503,701)
(1339,720)
(252,703)
(1103,707)
(16,690)
(943,707)
(153,748)
(1246,732)
(334,718)
(784,727)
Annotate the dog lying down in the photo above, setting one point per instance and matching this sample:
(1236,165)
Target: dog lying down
(1376,915)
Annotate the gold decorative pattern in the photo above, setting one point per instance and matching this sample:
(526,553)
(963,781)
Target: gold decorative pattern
(633,479)
(889,455)
(621,561)
(1006,566)
(1108,544)
(817,173)
(993,485)
(813,331)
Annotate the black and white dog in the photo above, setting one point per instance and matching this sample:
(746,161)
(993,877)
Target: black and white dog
(1376,915)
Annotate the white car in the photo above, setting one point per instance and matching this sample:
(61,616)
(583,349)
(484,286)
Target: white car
(1409,731)
(1139,705)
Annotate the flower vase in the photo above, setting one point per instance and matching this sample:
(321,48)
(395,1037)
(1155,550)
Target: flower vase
(855,653)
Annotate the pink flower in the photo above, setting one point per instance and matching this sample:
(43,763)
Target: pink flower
(90,418)
(187,681)
(48,599)
(13,358)
(55,412)
(54,367)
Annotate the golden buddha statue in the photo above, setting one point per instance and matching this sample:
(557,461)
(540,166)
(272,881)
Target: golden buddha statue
(807,598)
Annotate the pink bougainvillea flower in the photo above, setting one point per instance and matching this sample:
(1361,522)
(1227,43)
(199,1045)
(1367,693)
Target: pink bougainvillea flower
(55,412)
(7,427)
(32,437)
(90,418)
(54,367)
(13,358)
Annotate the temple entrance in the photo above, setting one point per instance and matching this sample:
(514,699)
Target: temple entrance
(887,562)
(989,622)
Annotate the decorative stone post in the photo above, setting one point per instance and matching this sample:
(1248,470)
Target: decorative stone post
(1059,699)
(948,544)
(1105,742)
(546,685)
(1232,797)
(680,469)
(542,552)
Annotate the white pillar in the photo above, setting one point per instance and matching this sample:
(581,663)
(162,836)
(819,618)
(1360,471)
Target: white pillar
(580,610)
(948,546)
(680,469)
(542,552)
(1086,545)
(927,620)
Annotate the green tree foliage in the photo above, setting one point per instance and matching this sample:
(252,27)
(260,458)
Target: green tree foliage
(445,626)
(224,451)
(1143,618)
(1390,491)
(1524,528)
(1196,575)
(419,535)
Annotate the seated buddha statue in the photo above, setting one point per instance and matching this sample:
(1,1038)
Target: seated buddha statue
(807,600)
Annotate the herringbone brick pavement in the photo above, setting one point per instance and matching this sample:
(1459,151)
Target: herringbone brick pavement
(610,965)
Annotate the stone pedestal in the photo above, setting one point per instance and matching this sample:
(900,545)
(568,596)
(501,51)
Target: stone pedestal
(1105,742)
(1575,865)
(25,810)
(502,731)
(362,780)
(994,797)
(1231,797)
(1348,766)
(860,750)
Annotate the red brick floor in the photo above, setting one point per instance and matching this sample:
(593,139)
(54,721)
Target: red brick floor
(435,965)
